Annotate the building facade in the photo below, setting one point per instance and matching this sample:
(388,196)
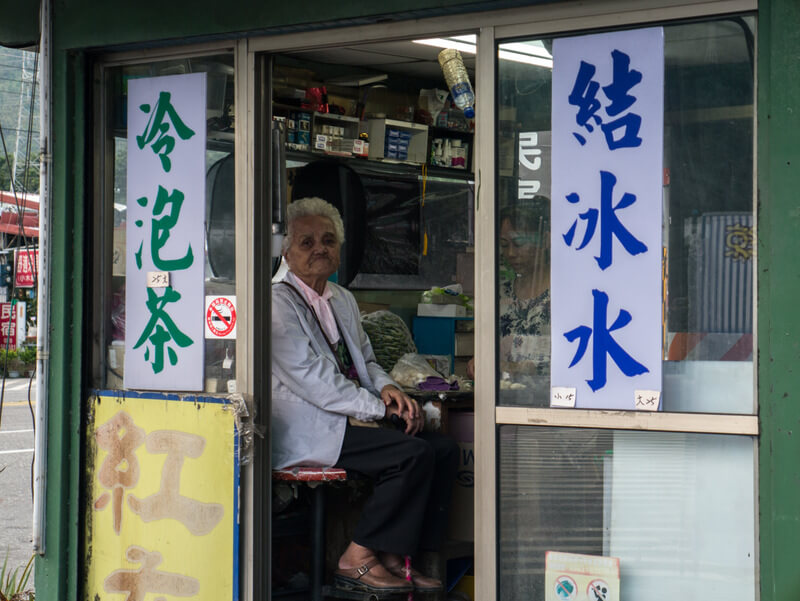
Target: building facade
(699,496)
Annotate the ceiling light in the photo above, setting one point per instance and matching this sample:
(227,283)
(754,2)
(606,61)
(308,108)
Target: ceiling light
(356,80)
(533,53)
(448,43)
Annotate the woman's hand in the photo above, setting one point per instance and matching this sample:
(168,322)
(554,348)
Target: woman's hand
(399,403)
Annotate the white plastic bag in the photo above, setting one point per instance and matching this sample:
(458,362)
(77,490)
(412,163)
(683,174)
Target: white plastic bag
(411,369)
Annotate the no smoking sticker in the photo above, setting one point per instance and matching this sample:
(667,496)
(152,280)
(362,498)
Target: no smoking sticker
(220,317)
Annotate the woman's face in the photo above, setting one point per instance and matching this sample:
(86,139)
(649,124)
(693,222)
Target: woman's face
(515,247)
(521,248)
(314,252)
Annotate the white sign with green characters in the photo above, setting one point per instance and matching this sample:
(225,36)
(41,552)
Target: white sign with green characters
(165,232)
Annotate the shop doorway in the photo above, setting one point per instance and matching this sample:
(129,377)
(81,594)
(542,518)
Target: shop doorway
(372,129)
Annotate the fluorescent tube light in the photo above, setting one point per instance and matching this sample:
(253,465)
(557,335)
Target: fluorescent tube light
(520,52)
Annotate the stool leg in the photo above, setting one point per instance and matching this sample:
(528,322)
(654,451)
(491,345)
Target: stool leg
(317,541)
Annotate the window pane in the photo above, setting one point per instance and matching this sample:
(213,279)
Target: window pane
(708,226)
(219,206)
(676,509)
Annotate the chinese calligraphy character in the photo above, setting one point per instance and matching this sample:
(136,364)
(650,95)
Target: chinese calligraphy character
(160,230)
(159,335)
(646,400)
(584,96)
(528,189)
(198,517)
(157,127)
(610,225)
(158,279)
(739,242)
(529,154)
(138,583)
(120,436)
(603,344)
(617,92)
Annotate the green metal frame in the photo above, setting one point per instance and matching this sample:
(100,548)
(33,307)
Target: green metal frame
(58,570)
(778,288)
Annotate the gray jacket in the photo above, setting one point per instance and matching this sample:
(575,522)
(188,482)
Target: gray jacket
(311,399)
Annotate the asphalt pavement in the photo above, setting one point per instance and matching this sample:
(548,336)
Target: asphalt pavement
(16,455)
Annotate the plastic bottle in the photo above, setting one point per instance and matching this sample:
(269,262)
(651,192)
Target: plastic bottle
(455,74)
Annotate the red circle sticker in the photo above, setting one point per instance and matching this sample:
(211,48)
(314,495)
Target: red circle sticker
(221,317)
(598,590)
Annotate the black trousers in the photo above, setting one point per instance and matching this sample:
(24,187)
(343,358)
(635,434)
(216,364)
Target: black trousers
(413,481)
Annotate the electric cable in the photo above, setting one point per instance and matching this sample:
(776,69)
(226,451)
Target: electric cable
(26,247)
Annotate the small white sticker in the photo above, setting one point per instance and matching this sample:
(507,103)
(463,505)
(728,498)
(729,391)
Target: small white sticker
(562,396)
(646,400)
(231,386)
(157,279)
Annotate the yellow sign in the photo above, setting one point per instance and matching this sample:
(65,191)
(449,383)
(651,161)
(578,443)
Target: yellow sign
(162,521)
(573,577)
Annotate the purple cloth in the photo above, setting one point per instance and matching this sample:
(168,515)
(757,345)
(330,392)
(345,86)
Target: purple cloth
(434,383)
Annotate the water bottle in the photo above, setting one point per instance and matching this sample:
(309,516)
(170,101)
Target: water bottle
(455,74)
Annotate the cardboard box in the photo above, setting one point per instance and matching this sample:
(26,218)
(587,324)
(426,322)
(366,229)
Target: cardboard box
(461,524)
(464,344)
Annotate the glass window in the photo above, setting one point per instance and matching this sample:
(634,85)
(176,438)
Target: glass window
(219,207)
(708,224)
(676,509)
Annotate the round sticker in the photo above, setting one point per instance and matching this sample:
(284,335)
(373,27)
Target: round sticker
(221,317)
(598,590)
(565,588)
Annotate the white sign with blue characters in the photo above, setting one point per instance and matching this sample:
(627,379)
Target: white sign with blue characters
(606,245)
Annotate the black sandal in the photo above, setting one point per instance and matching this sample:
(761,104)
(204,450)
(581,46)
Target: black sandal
(352,579)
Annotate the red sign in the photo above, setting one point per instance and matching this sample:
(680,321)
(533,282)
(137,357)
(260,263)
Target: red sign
(8,325)
(26,268)
(220,317)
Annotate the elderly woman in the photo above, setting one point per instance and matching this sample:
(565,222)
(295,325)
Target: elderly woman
(327,390)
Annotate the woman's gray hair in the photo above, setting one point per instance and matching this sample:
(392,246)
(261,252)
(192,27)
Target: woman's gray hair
(312,206)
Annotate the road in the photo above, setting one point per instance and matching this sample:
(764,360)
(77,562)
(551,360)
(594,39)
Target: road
(16,454)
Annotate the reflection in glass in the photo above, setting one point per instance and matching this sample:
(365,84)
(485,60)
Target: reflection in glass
(524,300)
(219,205)
(708,226)
(676,509)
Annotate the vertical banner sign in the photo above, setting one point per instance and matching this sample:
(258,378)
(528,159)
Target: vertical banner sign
(162,509)
(12,325)
(26,267)
(164,279)
(608,115)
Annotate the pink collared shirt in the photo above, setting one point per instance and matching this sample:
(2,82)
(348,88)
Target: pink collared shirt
(322,307)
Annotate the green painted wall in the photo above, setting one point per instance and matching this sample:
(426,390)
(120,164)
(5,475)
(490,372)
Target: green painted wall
(57,572)
(129,22)
(778,289)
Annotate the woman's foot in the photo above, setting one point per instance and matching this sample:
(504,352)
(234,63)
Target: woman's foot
(360,569)
(396,565)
